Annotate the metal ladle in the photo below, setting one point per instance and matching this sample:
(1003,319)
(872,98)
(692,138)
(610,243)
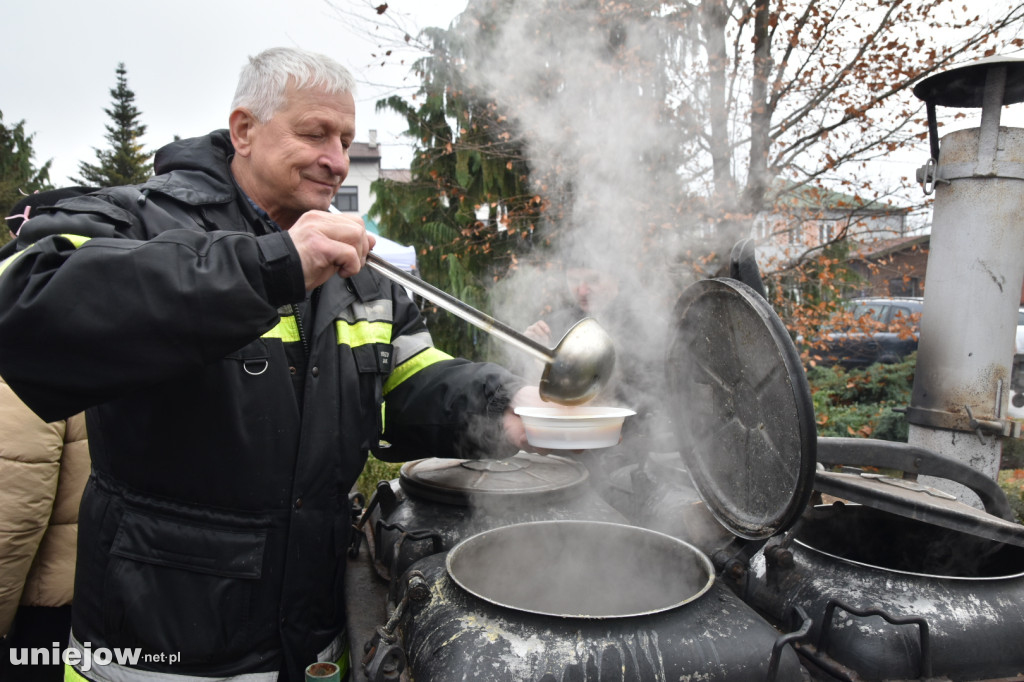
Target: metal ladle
(574,371)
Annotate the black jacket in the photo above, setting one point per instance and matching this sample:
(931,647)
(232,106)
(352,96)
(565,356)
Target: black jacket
(229,415)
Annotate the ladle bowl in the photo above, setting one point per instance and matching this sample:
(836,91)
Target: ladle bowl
(580,366)
(575,370)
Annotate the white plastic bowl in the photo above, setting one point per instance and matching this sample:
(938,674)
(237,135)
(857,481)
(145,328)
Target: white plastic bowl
(573,428)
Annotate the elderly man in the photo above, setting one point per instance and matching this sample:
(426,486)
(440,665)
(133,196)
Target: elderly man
(233,356)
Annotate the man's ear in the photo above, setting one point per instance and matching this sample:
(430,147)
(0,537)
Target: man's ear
(241,124)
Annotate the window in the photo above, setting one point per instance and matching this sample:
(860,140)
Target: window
(903,321)
(905,286)
(873,311)
(347,199)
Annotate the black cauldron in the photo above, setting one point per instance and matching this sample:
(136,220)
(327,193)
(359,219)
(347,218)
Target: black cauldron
(893,597)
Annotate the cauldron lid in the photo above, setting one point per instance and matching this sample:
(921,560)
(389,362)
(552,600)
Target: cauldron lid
(457,481)
(745,420)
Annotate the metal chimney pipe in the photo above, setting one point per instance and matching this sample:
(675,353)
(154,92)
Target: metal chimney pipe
(975,273)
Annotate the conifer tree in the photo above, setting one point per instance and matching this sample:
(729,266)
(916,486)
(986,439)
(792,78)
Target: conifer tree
(18,173)
(125,162)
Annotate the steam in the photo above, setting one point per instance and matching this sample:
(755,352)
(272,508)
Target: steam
(587,92)
(586,87)
(583,87)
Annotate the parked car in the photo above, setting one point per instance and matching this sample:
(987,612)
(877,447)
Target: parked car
(870,330)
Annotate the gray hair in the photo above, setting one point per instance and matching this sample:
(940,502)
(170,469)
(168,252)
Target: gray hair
(265,78)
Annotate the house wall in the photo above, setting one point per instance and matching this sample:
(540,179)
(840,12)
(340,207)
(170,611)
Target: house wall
(360,175)
(782,238)
(363,169)
(901,273)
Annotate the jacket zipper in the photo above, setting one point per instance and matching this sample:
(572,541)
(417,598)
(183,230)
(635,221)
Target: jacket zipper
(313,299)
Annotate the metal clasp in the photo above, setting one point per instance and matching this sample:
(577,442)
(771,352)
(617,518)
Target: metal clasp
(250,367)
(926,176)
(1006,428)
(799,634)
(385,659)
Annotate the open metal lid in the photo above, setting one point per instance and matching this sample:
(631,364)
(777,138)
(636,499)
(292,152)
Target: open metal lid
(915,501)
(524,476)
(744,416)
(911,499)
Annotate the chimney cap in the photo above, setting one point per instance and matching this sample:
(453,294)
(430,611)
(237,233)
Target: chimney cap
(964,86)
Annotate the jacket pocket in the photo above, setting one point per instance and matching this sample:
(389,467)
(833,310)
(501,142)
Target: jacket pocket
(177,587)
(373,364)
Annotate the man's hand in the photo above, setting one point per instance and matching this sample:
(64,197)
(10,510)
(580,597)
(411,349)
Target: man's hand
(330,244)
(539,332)
(515,432)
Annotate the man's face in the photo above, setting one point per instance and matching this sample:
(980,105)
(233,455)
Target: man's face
(592,290)
(296,161)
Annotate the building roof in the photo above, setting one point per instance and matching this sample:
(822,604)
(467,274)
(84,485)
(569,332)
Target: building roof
(364,151)
(817,198)
(884,247)
(396,174)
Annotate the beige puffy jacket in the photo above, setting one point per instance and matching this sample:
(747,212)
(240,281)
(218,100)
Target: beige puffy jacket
(43,470)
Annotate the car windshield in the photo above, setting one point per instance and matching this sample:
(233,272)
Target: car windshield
(858,317)
(904,322)
(874,316)
(868,330)
(863,310)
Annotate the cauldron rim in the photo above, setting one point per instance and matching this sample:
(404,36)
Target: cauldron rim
(916,574)
(705,565)
(930,576)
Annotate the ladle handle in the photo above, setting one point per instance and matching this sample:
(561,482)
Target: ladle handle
(458,308)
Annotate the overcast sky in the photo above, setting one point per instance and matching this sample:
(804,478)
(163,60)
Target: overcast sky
(58,61)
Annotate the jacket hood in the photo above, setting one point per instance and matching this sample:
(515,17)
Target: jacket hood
(196,170)
(207,153)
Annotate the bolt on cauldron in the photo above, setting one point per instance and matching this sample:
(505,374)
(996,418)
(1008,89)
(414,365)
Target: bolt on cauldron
(894,581)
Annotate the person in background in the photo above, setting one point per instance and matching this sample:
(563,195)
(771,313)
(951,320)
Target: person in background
(590,293)
(636,382)
(43,469)
(595,293)
(233,356)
